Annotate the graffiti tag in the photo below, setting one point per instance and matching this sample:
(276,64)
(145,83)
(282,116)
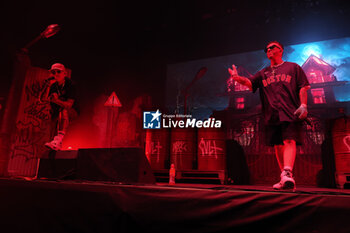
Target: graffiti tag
(155,148)
(209,148)
(346,141)
(179,147)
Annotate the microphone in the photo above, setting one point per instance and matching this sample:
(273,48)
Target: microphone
(49,79)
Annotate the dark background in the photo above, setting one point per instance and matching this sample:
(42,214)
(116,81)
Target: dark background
(124,46)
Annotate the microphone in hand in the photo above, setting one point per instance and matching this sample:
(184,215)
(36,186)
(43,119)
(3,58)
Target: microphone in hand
(50,80)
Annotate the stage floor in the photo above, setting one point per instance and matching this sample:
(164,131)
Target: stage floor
(84,206)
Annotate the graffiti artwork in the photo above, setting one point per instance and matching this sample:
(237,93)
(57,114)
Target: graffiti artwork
(209,148)
(32,126)
(346,141)
(179,147)
(155,149)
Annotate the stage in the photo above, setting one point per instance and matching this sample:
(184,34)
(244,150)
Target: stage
(86,206)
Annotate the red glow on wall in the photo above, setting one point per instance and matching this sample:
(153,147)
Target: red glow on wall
(90,129)
(318,95)
(81,135)
(240,103)
(316,77)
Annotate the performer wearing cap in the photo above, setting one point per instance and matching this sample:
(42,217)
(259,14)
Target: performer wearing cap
(61,94)
(283,93)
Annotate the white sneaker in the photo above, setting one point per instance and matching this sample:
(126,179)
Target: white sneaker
(277,186)
(287,182)
(55,144)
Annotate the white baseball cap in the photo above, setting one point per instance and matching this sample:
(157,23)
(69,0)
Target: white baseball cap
(58,66)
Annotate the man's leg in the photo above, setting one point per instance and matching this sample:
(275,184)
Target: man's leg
(286,156)
(63,123)
(279,151)
(287,180)
(289,154)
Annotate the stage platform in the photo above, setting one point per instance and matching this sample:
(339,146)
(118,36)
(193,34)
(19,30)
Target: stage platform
(83,206)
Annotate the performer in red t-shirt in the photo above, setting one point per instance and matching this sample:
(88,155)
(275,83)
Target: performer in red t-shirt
(283,93)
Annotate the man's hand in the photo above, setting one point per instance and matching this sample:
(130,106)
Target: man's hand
(301,112)
(233,72)
(52,81)
(240,79)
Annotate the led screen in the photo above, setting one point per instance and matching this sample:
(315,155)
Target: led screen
(210,92)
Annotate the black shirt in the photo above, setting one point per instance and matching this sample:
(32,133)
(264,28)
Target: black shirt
(279,91)
(64,92)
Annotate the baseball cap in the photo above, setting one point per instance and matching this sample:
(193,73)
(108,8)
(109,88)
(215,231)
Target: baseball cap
(58,66)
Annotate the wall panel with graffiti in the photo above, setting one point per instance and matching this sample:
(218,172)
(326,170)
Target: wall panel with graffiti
(32,126)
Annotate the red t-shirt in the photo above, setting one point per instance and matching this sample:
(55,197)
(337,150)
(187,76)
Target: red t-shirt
(279,91)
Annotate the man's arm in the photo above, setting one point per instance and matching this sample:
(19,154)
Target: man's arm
(301,112)
(44,94)
(303,95)
(240,79)
(244,81)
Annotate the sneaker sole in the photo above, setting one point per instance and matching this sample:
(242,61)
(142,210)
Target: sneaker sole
(288,185)
(51,147)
